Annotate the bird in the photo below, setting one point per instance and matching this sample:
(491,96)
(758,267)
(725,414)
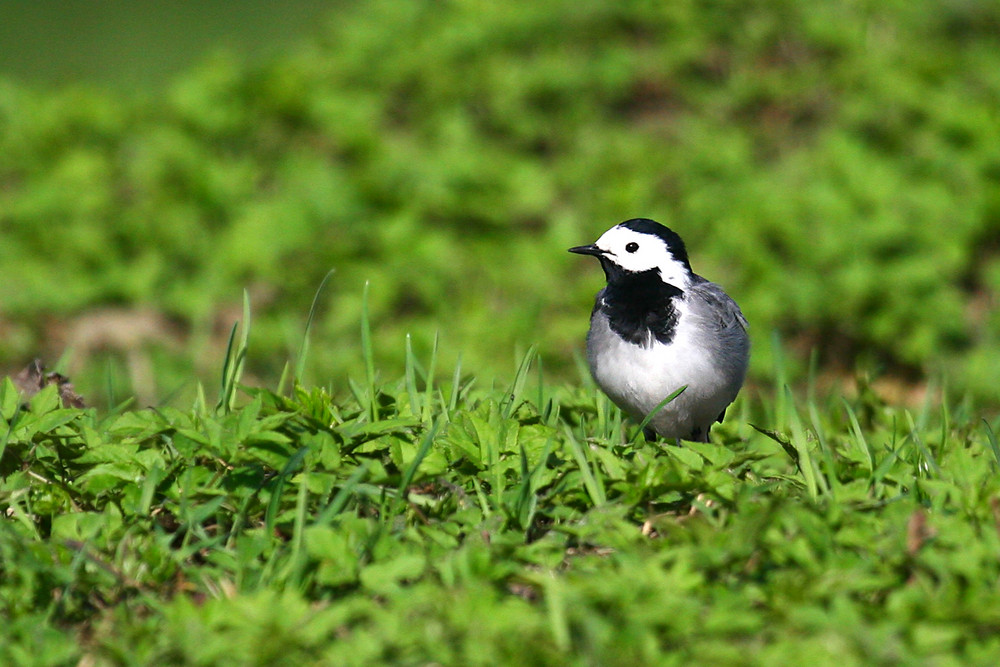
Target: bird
(657,328)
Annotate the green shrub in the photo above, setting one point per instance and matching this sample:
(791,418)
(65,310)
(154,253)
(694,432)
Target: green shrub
(834,166)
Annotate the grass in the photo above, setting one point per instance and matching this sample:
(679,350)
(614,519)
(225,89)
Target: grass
(420,520)
(832,165)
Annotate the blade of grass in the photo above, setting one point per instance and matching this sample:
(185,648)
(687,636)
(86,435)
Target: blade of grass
(110,375)
(456,382)
(490,442)
(918,442)
(410,377)
(293,463)
(780,382)
(527,500)
(360,395)
(524,494)
(583,370)
(244,344)
(555,607)
(832,480)
(801,442)
(883,468)
(991,437)
(484,502)
(608,419)
(512,399)
(602,407)
(590,481)
(369,356)
(11,425)
(945,425)
(550,416)
(286,370)
(659,406)
(153,477)
(297,561)
(200,402)
(236,353)
(300,360)
(930,396)
(811,375)
(428,406)
(411,470)
(859,436)
(540,401)
(343,494)
(782,440)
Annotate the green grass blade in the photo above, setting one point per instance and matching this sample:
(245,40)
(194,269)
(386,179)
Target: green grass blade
(236,354)
(227,365)
(410,377)
(456,386)
(112,395)
(297,559)
(945,424)
(583,370)
(368,355)
(273,506)
(782,440)
(11,400)
(831,477)
(807,465)
(484,501)
(510,402)
(659,406)
(779,418)
(918,442)
(521,508)
(540,400)
(343,494)
(428,406)
(200,401)
(411,470)
(859,436)
(991,437)
(603,408)
(282,386)
(300,360)
(527,501)
(590,476)
(555,607)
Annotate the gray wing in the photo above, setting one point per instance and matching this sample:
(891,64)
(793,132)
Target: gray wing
(726,325)
(717,309)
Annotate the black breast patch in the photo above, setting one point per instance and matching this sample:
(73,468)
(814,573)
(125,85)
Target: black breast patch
(639,305)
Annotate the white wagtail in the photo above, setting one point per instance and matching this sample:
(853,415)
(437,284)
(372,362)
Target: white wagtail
(658,327)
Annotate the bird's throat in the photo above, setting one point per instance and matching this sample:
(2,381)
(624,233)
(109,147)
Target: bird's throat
(641,307)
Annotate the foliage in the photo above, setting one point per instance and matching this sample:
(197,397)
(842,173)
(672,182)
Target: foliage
(422,521)
(834,165)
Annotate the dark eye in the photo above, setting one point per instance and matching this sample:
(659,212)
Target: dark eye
(631,247)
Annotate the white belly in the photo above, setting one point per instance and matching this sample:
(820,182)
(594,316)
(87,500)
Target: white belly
(637,378)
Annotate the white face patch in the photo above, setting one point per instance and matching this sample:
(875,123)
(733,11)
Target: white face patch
(637,252)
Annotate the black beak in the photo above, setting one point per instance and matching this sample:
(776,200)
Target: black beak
(587,250)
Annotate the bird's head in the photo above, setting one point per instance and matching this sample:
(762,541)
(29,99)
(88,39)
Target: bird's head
(640,246)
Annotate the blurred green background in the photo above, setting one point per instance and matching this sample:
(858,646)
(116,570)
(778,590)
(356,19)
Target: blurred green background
(836,166)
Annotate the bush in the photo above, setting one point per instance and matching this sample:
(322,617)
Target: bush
(834,166)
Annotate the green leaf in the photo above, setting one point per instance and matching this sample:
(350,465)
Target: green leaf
(385,577)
